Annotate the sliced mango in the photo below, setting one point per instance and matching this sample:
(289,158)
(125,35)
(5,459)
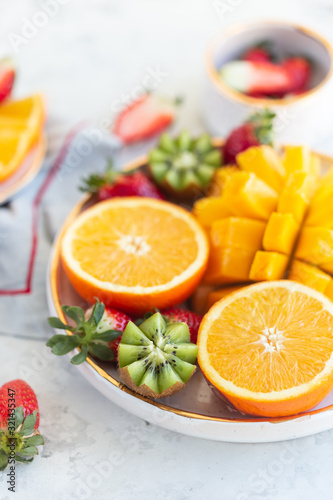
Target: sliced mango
(309,275)
(228,265)
(237,232)
(315,245)
(265,163)
(281,233)
(295,197)
(220,177)
(208,210)
(268,266)
(248,196)
(221,293)
(320,211)
(297,158)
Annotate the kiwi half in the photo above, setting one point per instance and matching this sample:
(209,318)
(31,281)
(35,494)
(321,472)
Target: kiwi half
(156,359)
(184,166)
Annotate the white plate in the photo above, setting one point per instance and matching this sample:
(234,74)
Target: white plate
(195,410)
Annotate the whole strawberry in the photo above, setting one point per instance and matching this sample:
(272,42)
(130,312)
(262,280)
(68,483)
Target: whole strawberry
(257,130)
(19,422)
(179,315)
(112,184)
(97,332)
(7,77)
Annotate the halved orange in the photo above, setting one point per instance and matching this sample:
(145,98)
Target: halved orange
(268,348)
(135,253)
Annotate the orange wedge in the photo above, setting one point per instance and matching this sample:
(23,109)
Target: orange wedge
(13,149)
(29,111)
(20,126)
(268,348)
(135,254)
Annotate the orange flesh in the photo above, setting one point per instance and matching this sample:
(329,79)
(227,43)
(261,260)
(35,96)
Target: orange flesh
(238,353)
(128,249)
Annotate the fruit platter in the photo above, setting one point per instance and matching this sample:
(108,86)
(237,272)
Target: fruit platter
(194,288)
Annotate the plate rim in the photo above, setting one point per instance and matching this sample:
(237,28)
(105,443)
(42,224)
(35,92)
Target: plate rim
(52,288)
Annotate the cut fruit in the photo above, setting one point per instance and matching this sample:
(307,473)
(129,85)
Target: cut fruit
(156,359)
(237,232)
(265,163)
(315,245)
(209,210)
(135,254)
(297,159)
(184,166)
(30,109)
(221,293)
(281,233)
(269,348)
(248,196)
(228,265)
(20,127)
(320,211)
(13,149)
(295,197)
(309,275)
(220,178)
(268,266)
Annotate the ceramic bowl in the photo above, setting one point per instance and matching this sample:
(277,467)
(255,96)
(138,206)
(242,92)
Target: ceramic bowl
(306,118)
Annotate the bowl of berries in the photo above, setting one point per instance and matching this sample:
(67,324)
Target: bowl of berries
(276,65)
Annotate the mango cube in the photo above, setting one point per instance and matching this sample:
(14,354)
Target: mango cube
(248,196)
(228,265)
(315,245)
(295,197)
(220,177)
(237,232)
(265,163)
(281,233)
(320,211)
(217,295)
(297,158)
(208,210)
(268,266)
(309,275)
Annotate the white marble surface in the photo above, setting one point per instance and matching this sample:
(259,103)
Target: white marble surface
(86,56)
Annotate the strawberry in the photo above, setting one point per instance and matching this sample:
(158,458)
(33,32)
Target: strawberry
(256,77)
(299,71)
(19,422)
(112,320)
(97,332)
(179,315)
(261,52)
(111,184)
(143,118)
(7,77)
(257,130)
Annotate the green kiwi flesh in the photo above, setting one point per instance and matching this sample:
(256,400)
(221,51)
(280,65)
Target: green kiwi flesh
(184,164)
(156,359)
